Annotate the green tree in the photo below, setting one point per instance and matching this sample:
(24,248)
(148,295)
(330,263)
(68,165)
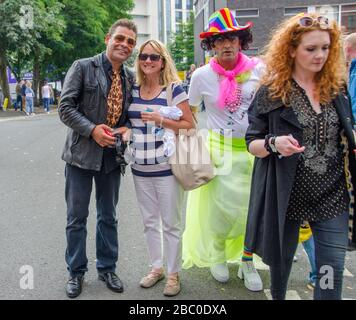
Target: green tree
(49,35)
(181,45)
(26,27)
(12,36)
(87,22)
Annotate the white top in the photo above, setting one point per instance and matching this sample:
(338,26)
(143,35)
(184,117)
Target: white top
(46,91)
(205,86)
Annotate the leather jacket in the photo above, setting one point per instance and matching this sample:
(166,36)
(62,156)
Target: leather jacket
(83,105)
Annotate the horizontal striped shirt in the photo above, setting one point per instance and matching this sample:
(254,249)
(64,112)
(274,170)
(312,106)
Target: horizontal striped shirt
(147,149)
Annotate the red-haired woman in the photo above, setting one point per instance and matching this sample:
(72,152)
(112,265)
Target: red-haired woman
(301,134)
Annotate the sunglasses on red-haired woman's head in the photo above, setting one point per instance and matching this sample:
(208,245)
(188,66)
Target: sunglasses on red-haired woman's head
(309,22)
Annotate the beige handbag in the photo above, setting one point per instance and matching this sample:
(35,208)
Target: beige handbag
(191,163)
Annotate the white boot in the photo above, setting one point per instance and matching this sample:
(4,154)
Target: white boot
(220,272)
(248,273)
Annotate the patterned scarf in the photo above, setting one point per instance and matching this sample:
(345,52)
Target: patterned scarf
(230,90)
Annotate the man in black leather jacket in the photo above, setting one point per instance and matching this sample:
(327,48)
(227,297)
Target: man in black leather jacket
(89,153)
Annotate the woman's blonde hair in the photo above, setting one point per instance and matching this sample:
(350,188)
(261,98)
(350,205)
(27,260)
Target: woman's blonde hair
(168,73)
(280,64)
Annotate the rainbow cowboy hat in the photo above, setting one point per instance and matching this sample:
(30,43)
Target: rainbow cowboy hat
(223,21)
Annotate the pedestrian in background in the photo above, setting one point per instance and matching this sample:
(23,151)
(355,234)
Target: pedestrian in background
(189,73)
(301,134)
(307,240)
(216,212)
(52,100)
(46,96)
(23,95)
(94,101)
(158,192)
(1,98)
(29,93)
(18,104)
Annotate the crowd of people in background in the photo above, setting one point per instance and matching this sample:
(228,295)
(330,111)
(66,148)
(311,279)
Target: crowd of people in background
(25,97)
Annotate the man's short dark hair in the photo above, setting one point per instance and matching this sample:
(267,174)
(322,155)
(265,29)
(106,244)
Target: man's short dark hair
(245,37)
(129,24)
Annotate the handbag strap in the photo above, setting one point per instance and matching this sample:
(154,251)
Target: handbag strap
(169,94)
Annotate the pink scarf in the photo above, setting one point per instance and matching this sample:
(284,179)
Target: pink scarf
(229,85)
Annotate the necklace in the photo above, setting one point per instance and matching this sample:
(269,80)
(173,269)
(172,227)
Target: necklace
(233,101)
(150,91)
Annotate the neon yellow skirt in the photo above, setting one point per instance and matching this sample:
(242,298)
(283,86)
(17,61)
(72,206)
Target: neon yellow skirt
(216,212)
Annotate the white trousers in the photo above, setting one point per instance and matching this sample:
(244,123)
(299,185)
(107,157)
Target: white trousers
(160,202)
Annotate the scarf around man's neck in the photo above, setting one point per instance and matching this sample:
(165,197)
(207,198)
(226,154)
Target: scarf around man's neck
(229,85)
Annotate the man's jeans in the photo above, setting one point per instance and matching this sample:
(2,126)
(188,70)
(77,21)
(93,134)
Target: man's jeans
(78,189)
(330,237)
(18,104)
(46,104)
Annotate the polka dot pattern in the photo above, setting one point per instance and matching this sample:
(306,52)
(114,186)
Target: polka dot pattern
(320,191)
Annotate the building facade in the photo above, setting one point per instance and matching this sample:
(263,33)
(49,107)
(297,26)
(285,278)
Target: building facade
(158,19)
(145,15)
(266,15)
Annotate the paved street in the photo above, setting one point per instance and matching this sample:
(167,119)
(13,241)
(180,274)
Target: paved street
(32,229)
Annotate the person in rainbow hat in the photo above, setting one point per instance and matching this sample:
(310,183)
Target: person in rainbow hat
(216,212)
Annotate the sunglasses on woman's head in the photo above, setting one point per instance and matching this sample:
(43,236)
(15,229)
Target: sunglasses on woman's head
(145,56)
(309,22)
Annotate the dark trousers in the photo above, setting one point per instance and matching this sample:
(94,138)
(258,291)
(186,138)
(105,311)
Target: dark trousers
(18,102)
(330,239)
(78,189)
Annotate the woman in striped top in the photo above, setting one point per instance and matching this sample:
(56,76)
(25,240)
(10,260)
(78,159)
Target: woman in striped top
(158,193)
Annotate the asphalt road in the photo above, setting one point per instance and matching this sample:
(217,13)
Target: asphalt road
(32,230)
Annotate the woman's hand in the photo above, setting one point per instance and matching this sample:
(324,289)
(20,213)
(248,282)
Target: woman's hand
(287,146)
(153,116)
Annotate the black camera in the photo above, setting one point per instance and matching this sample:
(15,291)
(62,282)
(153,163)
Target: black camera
(120,147)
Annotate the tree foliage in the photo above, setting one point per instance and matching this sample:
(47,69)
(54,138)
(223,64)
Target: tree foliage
(181,46)
(46,36)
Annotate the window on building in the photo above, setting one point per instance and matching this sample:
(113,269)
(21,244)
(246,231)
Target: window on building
(189,5)
(292,11)
(251,52)
(247,13)
(179,16)
(199,6)
(161,22)
(206,17)
(348,18)
(168,19)
(178,27)
(332,12)
(178,4)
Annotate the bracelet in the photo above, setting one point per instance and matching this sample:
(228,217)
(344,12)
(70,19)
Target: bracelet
(273,145)
(266,145)
(161,123)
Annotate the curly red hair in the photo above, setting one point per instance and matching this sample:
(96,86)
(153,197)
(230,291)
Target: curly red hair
(279,63)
